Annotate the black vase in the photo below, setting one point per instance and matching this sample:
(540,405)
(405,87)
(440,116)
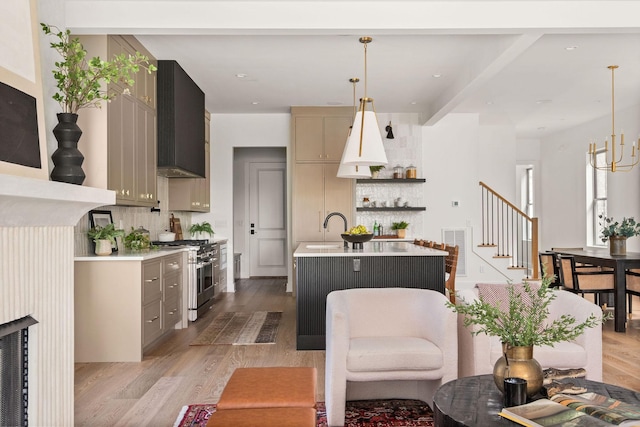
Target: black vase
(67,159)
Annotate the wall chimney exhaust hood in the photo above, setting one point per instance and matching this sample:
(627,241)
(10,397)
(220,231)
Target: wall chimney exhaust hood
(180,123)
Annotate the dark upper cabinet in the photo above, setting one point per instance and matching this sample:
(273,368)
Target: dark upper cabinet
(181,136)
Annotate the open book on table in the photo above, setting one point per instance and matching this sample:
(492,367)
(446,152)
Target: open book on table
(587,409)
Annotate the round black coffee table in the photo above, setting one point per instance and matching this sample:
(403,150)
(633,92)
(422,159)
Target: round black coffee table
(476,401)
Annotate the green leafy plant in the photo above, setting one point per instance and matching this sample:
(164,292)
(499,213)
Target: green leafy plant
(524,324)
(137,240)
(108,232)
(79,79)
(399,225)
(203,227)
(376,168)
(610,228)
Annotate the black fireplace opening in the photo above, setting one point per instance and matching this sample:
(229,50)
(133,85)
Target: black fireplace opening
(14,370)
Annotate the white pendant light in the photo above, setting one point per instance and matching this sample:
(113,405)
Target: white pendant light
(364,145)
(352,171)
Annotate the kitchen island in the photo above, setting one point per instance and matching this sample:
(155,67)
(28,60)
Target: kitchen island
(324,267)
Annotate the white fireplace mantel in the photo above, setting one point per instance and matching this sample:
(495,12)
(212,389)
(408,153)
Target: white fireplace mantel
(37,202)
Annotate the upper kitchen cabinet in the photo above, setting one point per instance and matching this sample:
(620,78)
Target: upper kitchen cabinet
(180,131)
(193,194)
(119,140)
(319,133)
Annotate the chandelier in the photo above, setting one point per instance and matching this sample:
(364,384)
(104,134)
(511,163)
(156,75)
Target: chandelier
(616,161)
(352,171)
(364,146)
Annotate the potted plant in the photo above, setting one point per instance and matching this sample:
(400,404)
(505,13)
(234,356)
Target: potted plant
(197,230)
(137,240)
(617,233)
(401,228)
(523,325)
(104,238)
(80,85)
(375,170)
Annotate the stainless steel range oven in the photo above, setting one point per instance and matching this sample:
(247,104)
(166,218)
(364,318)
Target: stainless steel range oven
(204,265)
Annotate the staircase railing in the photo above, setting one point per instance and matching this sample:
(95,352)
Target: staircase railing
(512,232)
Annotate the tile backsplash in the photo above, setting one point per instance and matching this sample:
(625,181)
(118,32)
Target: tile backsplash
(127,217)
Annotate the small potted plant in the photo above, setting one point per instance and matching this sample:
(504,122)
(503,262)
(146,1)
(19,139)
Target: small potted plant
(400,228)
(137,240)
(617,233)
(375,170)
(523,325)
(198,230)
(104,238)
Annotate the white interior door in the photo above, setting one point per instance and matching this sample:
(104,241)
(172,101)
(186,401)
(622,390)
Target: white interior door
(267,219)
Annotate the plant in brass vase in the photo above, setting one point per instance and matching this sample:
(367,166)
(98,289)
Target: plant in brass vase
(201,228)
(136,240)
(400,228)
(610,228)
(524,324)
(108,232)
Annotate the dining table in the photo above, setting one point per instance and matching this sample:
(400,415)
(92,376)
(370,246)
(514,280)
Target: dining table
(619,264)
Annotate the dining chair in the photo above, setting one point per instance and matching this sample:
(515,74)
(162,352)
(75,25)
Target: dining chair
(550,268)
(583,280)
(633,287)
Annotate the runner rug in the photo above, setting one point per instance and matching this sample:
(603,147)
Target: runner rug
(359,413)
(238,328)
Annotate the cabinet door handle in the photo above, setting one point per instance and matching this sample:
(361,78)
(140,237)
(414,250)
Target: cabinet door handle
(173,286)
(174,311)
(171,264)
(153,320)
(319,221)
(151,280)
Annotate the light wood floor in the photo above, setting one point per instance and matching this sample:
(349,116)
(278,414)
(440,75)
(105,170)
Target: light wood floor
(151,393)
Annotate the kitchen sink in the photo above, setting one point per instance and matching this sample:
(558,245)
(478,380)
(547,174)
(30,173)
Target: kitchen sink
(324,246)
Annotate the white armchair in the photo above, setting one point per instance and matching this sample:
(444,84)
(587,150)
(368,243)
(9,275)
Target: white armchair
(478,353)
(386,343)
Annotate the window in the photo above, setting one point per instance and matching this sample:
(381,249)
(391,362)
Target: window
(599,198)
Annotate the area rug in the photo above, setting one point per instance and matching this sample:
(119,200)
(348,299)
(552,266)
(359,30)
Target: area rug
(238,328)
(359,413)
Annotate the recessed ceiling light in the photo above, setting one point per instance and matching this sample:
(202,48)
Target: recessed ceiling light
(571,47)
(413,102)
(543,101)
(437,76)
(241,75)
(255,103)
(489,102)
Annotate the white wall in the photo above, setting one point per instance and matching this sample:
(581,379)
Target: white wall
(563,178)
(458,153)
(227,132)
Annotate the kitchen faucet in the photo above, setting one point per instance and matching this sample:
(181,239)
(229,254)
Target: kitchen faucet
(326,222)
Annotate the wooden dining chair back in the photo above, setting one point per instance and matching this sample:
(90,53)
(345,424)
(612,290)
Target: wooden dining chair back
(549,266)
(633,287)
(585,279)
(450,266)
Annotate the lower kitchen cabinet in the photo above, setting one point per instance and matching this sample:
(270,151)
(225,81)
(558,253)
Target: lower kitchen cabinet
(124,306)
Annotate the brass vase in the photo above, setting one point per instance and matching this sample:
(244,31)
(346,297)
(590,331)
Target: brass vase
(519,363)
(617,245)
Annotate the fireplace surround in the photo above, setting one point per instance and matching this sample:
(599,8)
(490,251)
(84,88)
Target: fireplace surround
(37,219)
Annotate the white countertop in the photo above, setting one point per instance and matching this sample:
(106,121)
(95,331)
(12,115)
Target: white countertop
(127,255)
(371,248)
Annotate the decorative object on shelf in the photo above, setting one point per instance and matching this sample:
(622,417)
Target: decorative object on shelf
(364,146)
(199,230)
(400,228)
(352,171)
(375,170)
(520,321)
(79,83)
(614,164)
(102,218)
(137,240)
(357,239)
(410,172)
(617,233)
(398,172)
(104,237)
(389,130)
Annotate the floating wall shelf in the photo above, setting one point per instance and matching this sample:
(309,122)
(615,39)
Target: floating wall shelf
(391,181)
(392,208)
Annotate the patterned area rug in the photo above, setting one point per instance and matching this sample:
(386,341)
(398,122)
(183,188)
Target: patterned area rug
(359,413)
(237,328)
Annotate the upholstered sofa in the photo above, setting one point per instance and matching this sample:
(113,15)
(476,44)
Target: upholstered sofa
(387,343)
(478,353)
